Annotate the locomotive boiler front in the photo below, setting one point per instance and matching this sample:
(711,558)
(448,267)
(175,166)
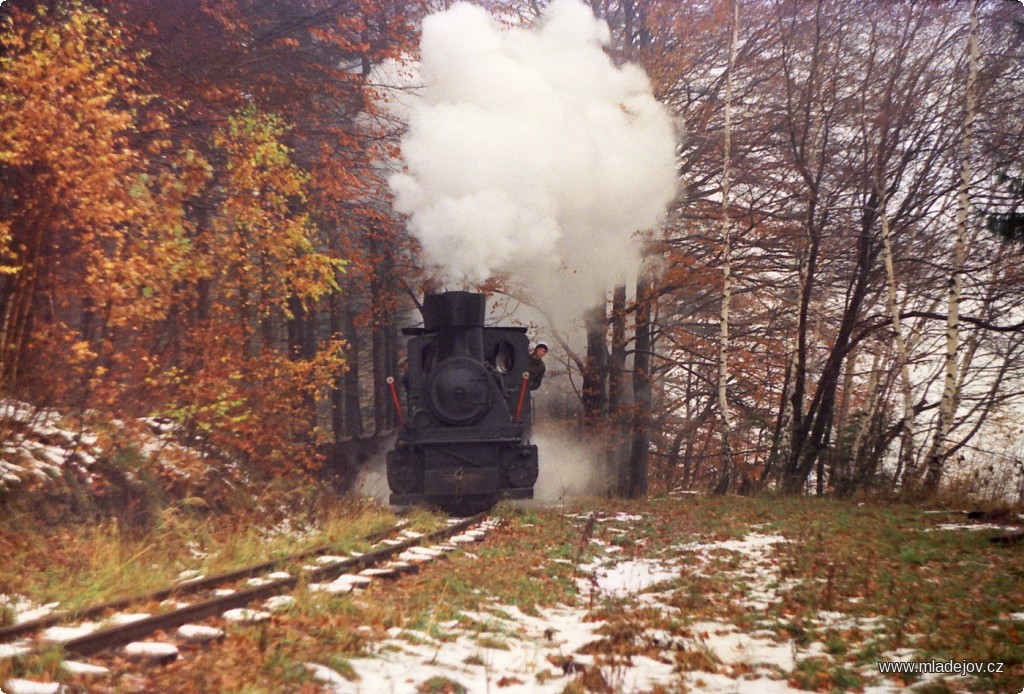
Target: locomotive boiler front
(457,391)
(462,448)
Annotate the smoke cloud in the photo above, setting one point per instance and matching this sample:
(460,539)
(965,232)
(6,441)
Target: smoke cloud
(530,154)
(569,468)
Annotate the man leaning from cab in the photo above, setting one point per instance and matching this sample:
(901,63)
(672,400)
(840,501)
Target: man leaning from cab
(535,368)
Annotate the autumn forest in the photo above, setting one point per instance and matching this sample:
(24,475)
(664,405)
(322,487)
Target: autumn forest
(196,224)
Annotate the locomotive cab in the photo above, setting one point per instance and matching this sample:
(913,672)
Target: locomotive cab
(465,442)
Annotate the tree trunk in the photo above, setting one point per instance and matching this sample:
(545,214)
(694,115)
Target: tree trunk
(906,459)
(947,409)
(384,359)
(18,304)
(595,373)
(337,386)
(620,422)
(725,473)
(617,360)
(351,386)
(347,396)
(381,397)
(640,443)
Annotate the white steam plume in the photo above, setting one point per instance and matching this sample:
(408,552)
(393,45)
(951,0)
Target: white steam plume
(569,468)
(531,154)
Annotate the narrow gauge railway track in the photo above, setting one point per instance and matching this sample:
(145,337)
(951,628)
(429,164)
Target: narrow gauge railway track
(180,589)
(111,637)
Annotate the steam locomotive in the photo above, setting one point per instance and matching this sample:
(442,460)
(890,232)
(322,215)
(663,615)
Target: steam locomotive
(464,435)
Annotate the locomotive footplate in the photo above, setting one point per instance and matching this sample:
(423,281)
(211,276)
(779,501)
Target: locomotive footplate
(408,499)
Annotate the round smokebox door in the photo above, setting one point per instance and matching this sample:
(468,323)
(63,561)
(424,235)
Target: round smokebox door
(458,391)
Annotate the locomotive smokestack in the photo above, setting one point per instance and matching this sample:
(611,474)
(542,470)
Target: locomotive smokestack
(463,311)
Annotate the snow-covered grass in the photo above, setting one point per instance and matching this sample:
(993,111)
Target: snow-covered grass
(37,446)
(40,445)
(675,594)
(92,509)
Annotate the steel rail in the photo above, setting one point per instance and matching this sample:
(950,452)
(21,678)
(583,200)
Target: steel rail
(112,637)
(183,588)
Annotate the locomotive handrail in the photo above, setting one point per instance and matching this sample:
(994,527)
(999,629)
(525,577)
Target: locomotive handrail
(394,397)
(522,395)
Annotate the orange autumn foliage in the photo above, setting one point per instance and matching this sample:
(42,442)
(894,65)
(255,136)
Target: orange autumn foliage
(67,108)
(144,276)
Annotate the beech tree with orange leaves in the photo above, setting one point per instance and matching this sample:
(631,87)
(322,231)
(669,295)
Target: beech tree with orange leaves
(308,62)
(79,217)
(173,254)
(252,264)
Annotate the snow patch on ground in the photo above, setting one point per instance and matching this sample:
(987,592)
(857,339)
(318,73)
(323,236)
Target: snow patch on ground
(19,686)
(500,648)
(74,667)
(511,654)
(245,615)
(23,609)
(199,632)
(625,578)
(65,634)
(40,446)
(14,649)
(973,527)
(150,649)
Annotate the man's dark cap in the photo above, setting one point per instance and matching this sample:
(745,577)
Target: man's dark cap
(541,345)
